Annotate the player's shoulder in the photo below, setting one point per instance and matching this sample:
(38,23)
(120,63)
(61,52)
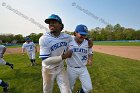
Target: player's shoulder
(85,40)
(44,39)
(2,46)
(65,35)
(45,35)
(32,43)
(85,43)
(25,43)
(72,42)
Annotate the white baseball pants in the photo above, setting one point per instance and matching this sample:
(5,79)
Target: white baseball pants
(83,75)
(31,55)
(62,81)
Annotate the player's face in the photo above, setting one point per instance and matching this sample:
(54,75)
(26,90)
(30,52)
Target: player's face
(80,37)
(54,26)
(28,41)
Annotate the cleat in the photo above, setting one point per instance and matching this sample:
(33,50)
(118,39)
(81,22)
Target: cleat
(5,89)
(12,66)
(35,63)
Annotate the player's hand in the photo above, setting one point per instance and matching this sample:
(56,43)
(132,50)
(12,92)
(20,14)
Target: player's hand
(67,54)
(89,63)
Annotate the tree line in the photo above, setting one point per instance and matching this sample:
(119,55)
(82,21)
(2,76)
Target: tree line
(108,33)
(10,38)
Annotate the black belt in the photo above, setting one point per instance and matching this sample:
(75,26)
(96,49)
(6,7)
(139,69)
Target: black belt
(75,67)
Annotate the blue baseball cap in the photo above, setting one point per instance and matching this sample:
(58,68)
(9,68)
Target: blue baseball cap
(53,17)
(81,29)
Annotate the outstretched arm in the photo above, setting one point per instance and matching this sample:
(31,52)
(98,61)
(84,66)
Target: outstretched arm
(57,59)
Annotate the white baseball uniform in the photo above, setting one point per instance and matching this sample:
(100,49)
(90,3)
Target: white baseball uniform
(51,46)
(2,61)
(30,48)
(76,65)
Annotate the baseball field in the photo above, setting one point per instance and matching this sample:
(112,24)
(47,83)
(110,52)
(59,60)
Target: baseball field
(110,73)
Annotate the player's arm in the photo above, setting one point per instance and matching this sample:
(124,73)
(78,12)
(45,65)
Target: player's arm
(57,59)
(23,51)
(35,48)
(90,42)
(90,57)
(3,51)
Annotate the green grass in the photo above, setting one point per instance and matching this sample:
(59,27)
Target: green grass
(109,74)
(118,43)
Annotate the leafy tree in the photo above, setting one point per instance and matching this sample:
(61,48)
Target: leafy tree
(19,38)
(137,35)
(109,32)
(7,38)
(118,32)
(129,34)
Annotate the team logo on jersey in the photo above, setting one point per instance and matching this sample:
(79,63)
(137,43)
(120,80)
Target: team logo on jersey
(80,50)
(58,45)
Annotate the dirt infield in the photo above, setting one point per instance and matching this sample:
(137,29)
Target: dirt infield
(14,50)
(132,52)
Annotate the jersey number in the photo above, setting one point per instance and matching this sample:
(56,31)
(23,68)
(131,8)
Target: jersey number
(31,47)
(84,58)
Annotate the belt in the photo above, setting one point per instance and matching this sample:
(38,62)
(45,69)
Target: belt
(75,67)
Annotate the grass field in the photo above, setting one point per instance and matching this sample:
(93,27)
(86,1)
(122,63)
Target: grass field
(109,74)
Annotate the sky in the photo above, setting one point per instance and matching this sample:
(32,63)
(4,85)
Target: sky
(27,16)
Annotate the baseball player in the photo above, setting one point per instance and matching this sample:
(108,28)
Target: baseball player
(3,62)
(53,47)
(76,65)
(30,48)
